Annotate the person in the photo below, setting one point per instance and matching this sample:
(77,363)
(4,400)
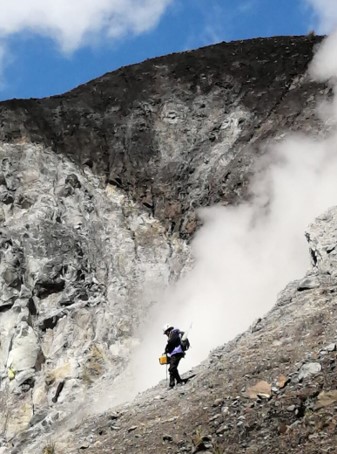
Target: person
(174,352)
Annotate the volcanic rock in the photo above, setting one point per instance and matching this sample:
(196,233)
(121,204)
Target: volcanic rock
(99,192)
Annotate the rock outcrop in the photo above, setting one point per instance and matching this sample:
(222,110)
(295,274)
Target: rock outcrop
(74,259)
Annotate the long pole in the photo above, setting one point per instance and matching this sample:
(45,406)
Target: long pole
(184,337)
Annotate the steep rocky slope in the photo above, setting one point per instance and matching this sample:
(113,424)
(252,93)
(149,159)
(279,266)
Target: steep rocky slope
(272,389)
(98,191)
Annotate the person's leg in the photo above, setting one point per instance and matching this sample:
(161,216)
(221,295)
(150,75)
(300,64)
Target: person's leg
(172,371)
(172,381)
(174,374)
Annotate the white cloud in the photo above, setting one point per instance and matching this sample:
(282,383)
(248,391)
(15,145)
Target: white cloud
(73,23)
(326,14)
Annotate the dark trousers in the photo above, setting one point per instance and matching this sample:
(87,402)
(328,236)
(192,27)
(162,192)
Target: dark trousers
(173,369)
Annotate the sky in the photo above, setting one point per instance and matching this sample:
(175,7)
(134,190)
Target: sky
(48,47)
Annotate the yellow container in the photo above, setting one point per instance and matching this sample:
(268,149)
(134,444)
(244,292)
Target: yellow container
(163,359)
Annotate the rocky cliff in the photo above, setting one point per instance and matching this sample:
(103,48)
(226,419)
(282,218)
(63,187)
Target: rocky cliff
(99,189)
(177,132)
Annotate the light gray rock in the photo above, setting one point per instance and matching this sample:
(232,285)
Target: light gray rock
(309,369)
(308,283)
(25,348)
(329,348)
(291,408)
(322,238)
(24,376)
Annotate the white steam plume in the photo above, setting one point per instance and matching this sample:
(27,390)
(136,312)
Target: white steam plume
(324,65)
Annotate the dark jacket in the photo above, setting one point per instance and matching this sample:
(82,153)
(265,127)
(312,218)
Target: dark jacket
(173,345)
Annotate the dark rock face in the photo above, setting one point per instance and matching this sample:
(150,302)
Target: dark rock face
(180,131)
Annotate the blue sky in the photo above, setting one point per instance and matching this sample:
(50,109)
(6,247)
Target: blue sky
(48,47)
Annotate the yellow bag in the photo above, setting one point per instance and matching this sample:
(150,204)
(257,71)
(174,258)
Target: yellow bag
(163,359)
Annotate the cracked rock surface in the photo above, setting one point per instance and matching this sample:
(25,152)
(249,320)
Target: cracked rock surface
(74,259)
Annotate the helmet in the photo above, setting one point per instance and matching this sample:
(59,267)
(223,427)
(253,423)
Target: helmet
(167,327)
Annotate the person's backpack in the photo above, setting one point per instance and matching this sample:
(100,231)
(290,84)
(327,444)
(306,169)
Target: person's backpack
(185,343)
